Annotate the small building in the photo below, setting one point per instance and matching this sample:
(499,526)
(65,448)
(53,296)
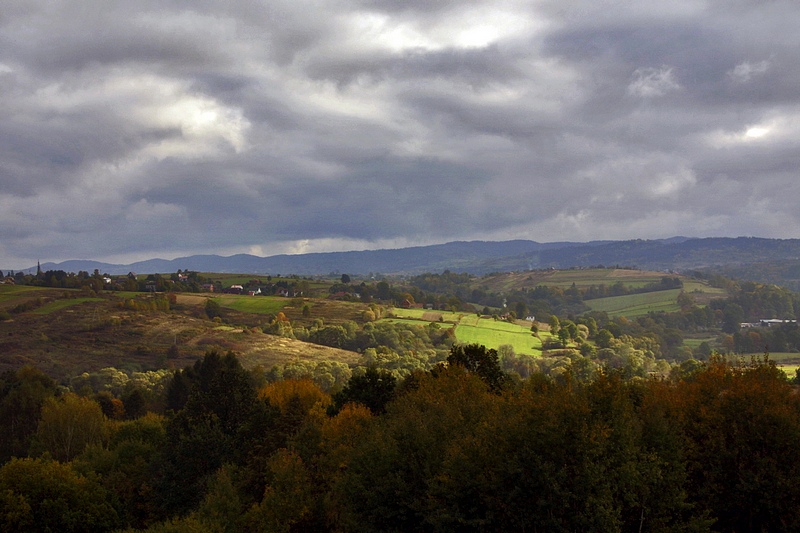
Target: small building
(769,322)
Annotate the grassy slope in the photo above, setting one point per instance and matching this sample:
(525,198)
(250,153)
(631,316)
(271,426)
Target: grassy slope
(86,334)
(629,305)
(13,295)
(58,305)
(492,333)
(632,305)
(565,278)
(253,304)
(472,329)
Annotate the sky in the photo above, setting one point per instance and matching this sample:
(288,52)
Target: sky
(134,130)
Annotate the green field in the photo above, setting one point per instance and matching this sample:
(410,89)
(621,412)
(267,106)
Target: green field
(695,343)
(588,277)
(406,321)
(127,294)
(12,292)
(582,278)
(57,305)
(701,287)
(262,305)
(473,329)
(429,315)
(633,305)
(494,333)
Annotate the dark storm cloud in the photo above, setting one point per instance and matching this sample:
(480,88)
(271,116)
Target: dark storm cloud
(130,130)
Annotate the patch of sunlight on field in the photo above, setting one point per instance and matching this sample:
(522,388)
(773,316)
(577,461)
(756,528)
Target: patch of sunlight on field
(493,334)
(471,329)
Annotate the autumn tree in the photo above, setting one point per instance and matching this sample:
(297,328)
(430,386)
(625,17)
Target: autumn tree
(742,421)
(68,425)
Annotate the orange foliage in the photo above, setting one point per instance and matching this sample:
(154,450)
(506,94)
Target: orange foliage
(342,432)
(305,390)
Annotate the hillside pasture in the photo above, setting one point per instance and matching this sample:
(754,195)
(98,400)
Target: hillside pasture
(428,315)
(633,305)
(471,328)
(582,278)
(260,305)
(494,333)
(701,292)
(40,300)
(405,321)
(12,295)
(57,305)
(606,276)
(695,342)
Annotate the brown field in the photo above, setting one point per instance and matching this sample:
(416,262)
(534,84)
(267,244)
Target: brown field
(192,299)
(92,335)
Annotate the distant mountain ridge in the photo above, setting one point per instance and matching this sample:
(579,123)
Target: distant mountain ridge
(481,257)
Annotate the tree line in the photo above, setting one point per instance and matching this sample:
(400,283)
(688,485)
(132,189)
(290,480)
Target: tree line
(461,446)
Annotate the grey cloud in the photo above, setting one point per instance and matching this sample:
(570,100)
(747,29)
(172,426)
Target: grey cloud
(131,129)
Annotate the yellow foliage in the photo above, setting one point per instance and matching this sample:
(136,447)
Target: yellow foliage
(281,392)
(70,424)
(341,433)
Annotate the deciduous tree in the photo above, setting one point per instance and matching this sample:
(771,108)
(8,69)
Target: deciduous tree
(68,425)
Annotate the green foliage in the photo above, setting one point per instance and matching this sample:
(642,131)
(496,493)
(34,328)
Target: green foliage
(374,389)
(212,308)
(328,375)
(126,466)
(222,508)
(211,428)
(385,487)
(22,394)
(287,500)
(480,361)
(44,495)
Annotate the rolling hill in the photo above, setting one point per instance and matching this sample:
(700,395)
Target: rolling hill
(481,257)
